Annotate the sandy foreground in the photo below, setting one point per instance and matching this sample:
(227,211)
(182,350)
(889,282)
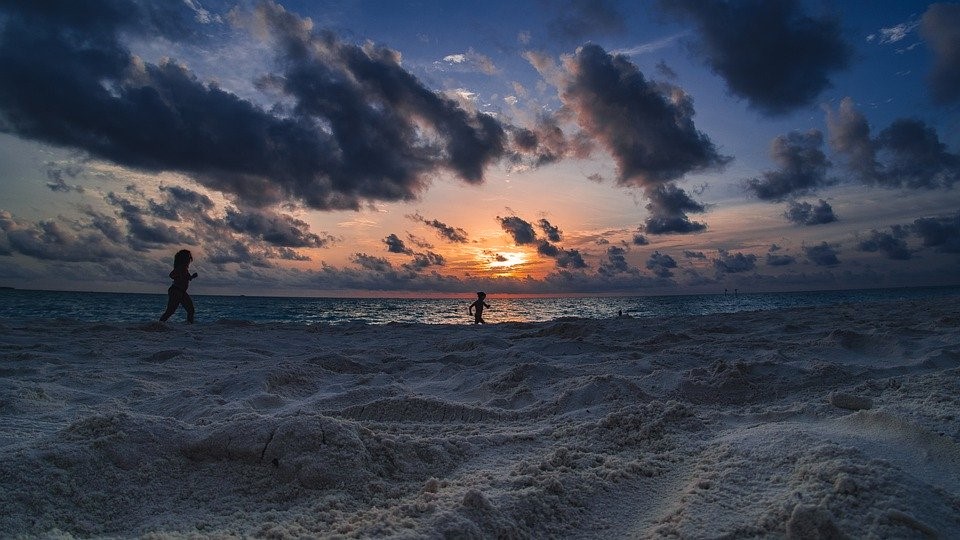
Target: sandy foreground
(806,423)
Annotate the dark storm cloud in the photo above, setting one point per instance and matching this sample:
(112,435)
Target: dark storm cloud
(942,233)
(551,231)
(647,127)
(144,233)
(940,27)
(640,240)
(907,154)
(54,241)
(570,258)
(424,260)
(661,264)
(564,258)
(917,158)
(179,202)
(369,262)
(733,263)
(576,20)
(694,254)
(804,213)
(768,52)
(803,167)
(106,225)
(547,249)
(891,243)
(775,259)
(823,254)
(616,263)
(520,230)
(275,229)
(359,128)
(396,245)
(668,208)
(453,234)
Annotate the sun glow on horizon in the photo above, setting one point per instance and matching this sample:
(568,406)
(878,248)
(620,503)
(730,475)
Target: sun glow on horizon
(506,259)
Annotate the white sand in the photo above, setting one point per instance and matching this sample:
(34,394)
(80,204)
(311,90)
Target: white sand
(830,422)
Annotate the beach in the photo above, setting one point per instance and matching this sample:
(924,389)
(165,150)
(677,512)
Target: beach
(817,422)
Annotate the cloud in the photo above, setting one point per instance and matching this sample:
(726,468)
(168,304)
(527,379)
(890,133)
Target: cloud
(570,258)
(179,202)
(640,240)
(907,154)
(552,232)
(647,127)
(897,32)
(453,234)
(917,158)
(850,136)
(733,263)
(775,259)
(770,53)
(694,254)
(144,233)
(520,230)
(396,245)
(369,262)
(804,213)
(890,243)
(545,142)
(942,233)
(668,208)
(472,61)
(823,254)
(940,27)
(576,20)
(50,240)
(661,264)
(358,127)
(275,229)
(57,182)
(564,258)
(803,167)
(616,263)
(422,261)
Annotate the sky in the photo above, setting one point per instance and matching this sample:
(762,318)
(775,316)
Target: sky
(423,148)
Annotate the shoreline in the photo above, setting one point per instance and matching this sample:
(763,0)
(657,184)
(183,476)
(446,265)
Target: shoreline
(839,418)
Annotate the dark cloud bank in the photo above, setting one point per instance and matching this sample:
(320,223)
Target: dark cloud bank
(359,128)
(768,52)
(648,129)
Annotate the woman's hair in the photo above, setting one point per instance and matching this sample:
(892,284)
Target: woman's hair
(182,258)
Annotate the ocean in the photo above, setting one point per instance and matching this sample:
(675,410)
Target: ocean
(21,305)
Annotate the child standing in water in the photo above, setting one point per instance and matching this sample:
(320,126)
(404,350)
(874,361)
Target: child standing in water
(177,293)
(479,305)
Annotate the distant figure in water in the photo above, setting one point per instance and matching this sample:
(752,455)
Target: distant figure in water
(177,293)
(479,305)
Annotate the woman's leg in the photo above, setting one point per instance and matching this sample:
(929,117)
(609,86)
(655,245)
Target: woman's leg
(173,301)
(188,305)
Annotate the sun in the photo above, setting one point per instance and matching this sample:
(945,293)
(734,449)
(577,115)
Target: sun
(507,259)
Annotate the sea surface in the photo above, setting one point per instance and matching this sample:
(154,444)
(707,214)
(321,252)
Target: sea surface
(128,307)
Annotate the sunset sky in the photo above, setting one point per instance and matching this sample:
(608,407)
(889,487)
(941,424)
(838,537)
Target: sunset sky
(437,147)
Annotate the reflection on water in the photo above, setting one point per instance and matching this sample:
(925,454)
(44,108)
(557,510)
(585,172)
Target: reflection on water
(117,307)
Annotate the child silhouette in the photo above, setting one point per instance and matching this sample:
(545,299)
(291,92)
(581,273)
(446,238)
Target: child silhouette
(177,293)
(479,305)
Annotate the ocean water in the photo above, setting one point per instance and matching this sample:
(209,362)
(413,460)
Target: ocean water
(127,307)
